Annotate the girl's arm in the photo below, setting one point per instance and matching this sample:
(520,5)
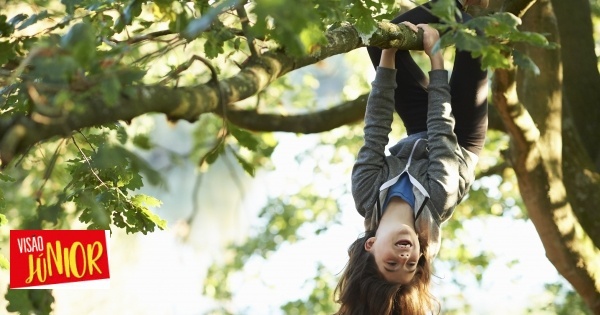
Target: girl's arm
(370,169)
(444,150)
(388,58)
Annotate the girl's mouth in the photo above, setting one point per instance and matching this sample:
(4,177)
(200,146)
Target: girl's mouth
(404,243)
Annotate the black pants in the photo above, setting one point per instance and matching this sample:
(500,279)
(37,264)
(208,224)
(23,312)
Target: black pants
(468,86)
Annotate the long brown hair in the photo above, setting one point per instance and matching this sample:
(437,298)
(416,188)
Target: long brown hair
(362,289)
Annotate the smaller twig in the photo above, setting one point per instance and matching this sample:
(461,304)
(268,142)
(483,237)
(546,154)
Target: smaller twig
(142,38)
(109,42)
(66,22)
(243,15)
(171,44)
(218,144)
(87,160)
(177,71)
(215,80)
(88,141)
(48,172)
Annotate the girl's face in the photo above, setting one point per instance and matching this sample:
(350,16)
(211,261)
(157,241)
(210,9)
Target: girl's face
(397,251)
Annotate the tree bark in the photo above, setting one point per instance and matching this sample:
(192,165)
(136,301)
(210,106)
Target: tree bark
(538,163)
(580,112)
(581,79)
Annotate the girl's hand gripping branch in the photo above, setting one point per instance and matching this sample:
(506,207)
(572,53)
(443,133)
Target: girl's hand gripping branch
(430,37)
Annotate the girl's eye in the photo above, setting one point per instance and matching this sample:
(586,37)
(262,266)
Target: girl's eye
(392,263)
(413,264)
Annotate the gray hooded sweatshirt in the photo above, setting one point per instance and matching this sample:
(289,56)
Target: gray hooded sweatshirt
(440,170)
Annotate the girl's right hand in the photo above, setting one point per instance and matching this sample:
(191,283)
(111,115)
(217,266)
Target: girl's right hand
(430,37)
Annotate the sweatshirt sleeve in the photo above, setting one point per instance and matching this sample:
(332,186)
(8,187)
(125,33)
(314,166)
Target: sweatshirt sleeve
(370,169)
(443,170)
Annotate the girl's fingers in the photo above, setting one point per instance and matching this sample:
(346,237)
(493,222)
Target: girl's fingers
(411,26)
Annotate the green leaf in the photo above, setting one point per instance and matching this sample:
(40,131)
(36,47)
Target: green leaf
(248,167)
(6,178)
(365,24)
(180,22)
(17,19)
(145,200)
(154,218)
(6,52)
(493,57)
(467,41)
(5,28)
(37,301)
(446,10)
(4,263)
(49,213)
(130,75)
(523,61)
(133,9)
(139,165)
(213,154)
(80,40)
(111,89)
(197,26)
(142,202)
(108,156)
(33,19)
(507,18)
(531,38)
(70,5)
(142,141)
(18,301)
(134,182)
(244,137)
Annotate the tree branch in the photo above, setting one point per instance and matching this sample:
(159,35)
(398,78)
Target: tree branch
(517,120)
(581,81)
(539,167)
(188,103)
(346,113)
(241,11)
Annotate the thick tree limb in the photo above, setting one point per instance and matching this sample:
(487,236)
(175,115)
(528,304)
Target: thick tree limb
(581,80)
(188,103)
(319,121)
(537,159)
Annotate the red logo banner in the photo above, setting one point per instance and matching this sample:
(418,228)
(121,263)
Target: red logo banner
(50,257)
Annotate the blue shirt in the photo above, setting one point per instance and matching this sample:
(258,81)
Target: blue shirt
(403,189)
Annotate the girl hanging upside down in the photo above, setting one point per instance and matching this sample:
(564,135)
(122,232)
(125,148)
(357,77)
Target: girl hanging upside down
(405,197)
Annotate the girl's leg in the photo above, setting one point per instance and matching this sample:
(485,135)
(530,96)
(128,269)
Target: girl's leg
(468,84)
(469,88)
(411,94)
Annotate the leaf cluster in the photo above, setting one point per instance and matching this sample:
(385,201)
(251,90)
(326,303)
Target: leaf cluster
(30,301)
(491,37)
